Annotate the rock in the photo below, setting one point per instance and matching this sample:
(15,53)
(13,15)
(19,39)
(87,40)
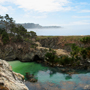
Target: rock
(30,77)
(21,52)
(87,87)
(33,80)
(71,73)
(10,80)
(63,70)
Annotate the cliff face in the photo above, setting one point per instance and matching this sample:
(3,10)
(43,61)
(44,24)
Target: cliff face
(10,80)
(60,42)
(21,51)
(49,43)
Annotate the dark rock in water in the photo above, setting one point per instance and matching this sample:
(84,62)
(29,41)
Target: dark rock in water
(33,80)
(30,77)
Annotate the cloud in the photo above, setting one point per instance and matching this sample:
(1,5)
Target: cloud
(80,16)
(84,11)
(40,16)
(3,9)
(41,5)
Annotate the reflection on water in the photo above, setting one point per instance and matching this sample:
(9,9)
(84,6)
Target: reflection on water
(51,78)
(68,77)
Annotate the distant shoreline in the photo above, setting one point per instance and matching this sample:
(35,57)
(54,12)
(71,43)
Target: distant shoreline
(36,26)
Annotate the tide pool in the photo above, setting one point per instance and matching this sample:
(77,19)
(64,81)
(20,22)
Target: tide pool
(50,75)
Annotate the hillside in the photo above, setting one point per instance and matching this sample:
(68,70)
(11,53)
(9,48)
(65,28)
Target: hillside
(61,42)
(32,25)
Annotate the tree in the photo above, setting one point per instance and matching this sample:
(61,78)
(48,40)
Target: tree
(6,21)
(21,30)
(1,21)
(5,37)
(32,34)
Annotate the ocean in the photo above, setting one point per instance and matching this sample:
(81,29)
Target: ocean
(61,31)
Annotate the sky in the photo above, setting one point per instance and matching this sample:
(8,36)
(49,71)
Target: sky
(71,14)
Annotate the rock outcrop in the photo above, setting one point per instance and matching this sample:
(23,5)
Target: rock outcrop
(24,52)
(10,80)
(21,52)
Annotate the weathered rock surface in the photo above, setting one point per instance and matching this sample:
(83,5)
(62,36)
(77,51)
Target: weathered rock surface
(10,80)
(23,52)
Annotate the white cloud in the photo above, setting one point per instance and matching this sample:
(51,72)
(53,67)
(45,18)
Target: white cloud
(40,16)
(81,16)
(84,11)
(3,9)
(42,5)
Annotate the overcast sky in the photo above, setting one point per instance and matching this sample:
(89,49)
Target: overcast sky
(66,13)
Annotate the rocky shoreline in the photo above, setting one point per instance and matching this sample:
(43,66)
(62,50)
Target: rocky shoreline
(24,53)
(10,80)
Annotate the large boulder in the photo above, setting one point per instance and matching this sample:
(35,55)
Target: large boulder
(10,80)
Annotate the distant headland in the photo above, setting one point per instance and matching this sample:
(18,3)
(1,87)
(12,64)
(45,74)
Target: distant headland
(32,26)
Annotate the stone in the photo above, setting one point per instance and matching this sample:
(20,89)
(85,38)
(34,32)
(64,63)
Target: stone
(33,80)
(30,77)
(10,80)
(87,87)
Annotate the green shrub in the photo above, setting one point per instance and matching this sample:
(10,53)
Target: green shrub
(45,50)
(50,57)
(5,37)
(50,49)
(85,40)
(19,38)
(65,60)
(32,46)
(5,40)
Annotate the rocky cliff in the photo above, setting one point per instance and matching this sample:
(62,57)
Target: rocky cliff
(60,42)
(21,51)
(24,52)
(10,80)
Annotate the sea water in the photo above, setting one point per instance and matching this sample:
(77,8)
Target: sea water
(49,75)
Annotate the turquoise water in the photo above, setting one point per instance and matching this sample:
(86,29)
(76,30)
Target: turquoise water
(51,78)
(47,74)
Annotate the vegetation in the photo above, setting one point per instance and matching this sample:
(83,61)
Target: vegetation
(78,55)
(85,40)
(5,37)
(11,31)
(79,45)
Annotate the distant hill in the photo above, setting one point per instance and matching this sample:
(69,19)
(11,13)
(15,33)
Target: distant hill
(32,25)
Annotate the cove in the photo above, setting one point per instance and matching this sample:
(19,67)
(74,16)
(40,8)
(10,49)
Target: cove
(51,77)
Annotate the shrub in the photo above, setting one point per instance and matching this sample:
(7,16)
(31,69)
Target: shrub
(5,37)
(85,40)
(19,38)
(5,40)
(50,57)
